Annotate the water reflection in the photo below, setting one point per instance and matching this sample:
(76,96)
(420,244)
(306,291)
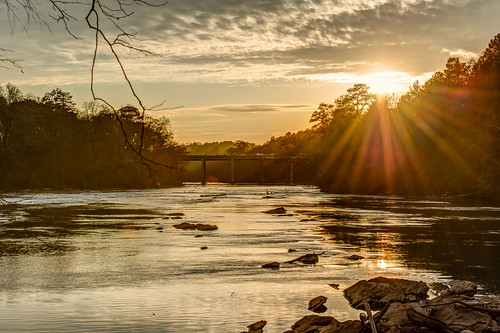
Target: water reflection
(456,239)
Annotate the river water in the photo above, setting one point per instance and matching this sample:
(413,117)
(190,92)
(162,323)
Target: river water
(112,262)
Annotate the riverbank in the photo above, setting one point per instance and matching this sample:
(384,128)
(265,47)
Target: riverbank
(403,306)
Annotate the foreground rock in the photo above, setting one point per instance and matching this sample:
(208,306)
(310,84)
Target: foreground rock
(195,226)
(380,291)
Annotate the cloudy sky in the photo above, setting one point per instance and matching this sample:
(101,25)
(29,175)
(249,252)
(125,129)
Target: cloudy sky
(245,69)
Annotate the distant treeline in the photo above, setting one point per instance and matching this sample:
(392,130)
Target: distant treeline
(48,143)
(441,137)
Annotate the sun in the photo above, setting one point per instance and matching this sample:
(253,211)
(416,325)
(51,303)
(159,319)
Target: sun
(382,83)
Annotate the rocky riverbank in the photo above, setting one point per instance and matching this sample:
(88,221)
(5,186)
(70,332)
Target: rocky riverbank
(405,306)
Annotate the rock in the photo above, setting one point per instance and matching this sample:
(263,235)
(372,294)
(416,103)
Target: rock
(176,217)
(291,250)
(380,290)
(447,312)
(175,214)
(198,236)
(320,324)
(213,195)
(461,287)
(279,210)
(268,197)
(355,257)
(334,285)
(273,265)
(203,248)
(159,228)
(317,304)
(308,259)
(195,226)
(257,326)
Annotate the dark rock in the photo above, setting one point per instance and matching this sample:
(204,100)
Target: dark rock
(273,265)
(195,226)
(203,247)
(449,312)
(334,285)
(175,214)
(462,287)
(379,291)
(279,210)
(198,236)
(317,304)
(159,228)
(320,324)
(308,259)
(355,257)
(268,197)
(213,195)
(291,250)
(257,326)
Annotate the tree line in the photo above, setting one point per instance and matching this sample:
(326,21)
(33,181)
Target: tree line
(48,143)
(440,137)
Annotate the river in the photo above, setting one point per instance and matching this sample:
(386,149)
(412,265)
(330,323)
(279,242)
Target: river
(112,262)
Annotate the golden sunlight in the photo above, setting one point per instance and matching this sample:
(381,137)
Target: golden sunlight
(387,82)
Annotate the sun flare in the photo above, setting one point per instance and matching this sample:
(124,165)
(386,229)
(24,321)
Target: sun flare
(386,82)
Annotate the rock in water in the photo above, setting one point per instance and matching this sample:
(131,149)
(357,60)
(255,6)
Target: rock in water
(355,257)
(257,327)
(317,304)
(273,265)
(279,210)
(195,226)
(308,259)
(326,324)
(379,291)
(462,287)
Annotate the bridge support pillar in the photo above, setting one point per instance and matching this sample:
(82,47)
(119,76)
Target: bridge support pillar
(232,171)
(203,172)
(261,172)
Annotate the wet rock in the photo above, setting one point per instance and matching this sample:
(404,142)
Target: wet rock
(279,210)
(268,197)
(308,259)
(273,265)
(447,313)
(317,304)
(203,248)
(195,226)
(213,195)
(159,228)
(334,285)
(379,291)
(461,287)
(198,236)
(175,214)
(325,324)
(355,257)
(257,327)
(291,250)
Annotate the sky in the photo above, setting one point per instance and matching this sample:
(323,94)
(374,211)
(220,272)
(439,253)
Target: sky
(246,70)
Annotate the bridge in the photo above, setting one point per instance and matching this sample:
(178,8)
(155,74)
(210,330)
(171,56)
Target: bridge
(232,158)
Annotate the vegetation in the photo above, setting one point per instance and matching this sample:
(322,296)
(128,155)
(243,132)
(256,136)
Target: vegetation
(49,143)
(441,137)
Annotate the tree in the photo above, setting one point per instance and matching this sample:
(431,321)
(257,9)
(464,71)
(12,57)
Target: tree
(351,105)
(59,99)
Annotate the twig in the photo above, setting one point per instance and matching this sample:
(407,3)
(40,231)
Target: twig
(370,317)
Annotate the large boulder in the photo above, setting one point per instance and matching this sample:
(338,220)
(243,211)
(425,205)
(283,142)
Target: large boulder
(379,291)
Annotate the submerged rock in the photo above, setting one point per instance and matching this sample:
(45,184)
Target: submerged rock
(279,210)
(308,259)
(380,291)
(273,265)
(195,226)
(317,304)
(355,257)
